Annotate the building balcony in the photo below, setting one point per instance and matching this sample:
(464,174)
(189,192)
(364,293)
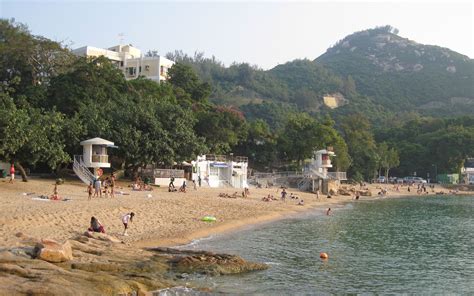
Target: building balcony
(100,158)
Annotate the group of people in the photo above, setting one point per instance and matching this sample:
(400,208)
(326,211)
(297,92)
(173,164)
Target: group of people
(95,187)
(139,185)
(184,185)
(97,226)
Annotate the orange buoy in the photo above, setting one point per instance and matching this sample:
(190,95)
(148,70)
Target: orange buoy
(323,255)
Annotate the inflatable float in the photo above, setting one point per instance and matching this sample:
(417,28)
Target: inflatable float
(209,219)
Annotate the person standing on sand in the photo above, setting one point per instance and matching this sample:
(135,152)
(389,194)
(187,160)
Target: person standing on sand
(112,185)
(12,173)
(171,185)
(90,190)
(98,191)
(125,220)
(283,194)
(317,194)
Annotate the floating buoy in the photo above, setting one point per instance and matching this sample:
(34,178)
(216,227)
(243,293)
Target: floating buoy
(323,255)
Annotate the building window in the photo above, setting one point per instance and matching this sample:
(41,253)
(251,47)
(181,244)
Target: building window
(147,68)
(140,69)
(132,71)
(121,63)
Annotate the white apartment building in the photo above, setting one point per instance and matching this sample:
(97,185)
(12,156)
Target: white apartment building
(130,60)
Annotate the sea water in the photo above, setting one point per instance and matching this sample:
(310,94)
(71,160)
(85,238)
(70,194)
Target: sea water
(417,245)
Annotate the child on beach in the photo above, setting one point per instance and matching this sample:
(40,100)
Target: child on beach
(90,190)
(96,226)
(125,220)
(12,173)
(55,195)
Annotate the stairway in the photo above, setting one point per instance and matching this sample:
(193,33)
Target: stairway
(81,170)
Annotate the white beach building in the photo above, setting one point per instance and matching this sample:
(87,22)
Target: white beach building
(467,171)
(221,170)
(131,61)
(94,155)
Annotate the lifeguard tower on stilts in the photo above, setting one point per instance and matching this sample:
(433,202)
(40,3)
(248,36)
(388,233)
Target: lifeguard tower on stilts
(95,157)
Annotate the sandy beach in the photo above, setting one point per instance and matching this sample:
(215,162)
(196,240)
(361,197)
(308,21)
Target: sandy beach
(164,219)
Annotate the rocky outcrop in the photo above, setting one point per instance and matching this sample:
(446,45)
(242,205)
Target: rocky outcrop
(52,251)
(96,264)
(209,263)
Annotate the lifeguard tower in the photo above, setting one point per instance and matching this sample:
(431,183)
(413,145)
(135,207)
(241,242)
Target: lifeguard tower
(94,155)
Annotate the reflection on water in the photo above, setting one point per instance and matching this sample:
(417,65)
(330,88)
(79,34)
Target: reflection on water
(410,245)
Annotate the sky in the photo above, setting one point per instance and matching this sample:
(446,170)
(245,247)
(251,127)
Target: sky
(260,33)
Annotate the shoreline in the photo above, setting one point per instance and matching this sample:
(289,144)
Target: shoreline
(261,220)
(164,219)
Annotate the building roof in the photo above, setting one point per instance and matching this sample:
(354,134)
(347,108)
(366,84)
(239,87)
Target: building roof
(97,141)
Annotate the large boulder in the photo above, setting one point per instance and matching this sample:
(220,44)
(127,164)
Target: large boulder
(52,251)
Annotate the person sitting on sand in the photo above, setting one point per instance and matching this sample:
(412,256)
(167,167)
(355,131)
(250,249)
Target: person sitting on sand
(183,187)
(55,195)
(172,189)
(125,220)
(96,226)
(301,203)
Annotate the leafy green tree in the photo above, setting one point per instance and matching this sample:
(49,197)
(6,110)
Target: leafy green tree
(30,60)
(222,127)
(183,77)
(388,158)
(361,144)
(259,145)
(29,136)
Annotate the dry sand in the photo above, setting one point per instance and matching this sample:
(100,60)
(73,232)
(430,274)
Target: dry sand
(165,219)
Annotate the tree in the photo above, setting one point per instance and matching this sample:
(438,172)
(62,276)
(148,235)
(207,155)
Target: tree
(388,158)
(30,135)
(183,77)
(361,144)
(32,59)
(222,127)
(259,145)
(303,135)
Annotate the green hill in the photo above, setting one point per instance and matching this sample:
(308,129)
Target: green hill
(401,74)
(375,72)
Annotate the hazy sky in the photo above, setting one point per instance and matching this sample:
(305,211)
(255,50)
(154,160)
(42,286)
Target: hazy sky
(263,33)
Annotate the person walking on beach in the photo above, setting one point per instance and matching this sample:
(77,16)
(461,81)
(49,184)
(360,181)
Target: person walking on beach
(171,182)
(12,173)
(125,220)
